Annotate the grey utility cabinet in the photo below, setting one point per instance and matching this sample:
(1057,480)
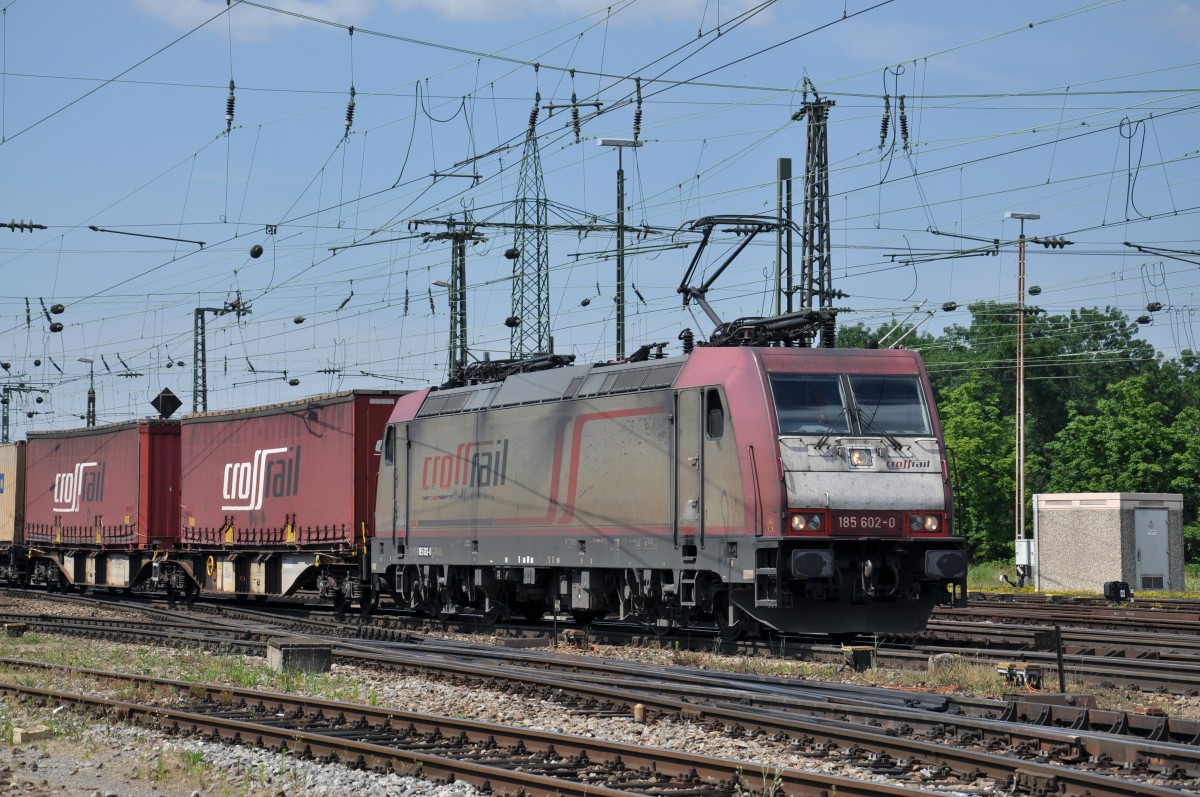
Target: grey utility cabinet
(1083,540)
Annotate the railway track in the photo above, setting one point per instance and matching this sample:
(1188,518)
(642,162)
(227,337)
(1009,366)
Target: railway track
(1028,745)
(1125,660)
(495,758)
(1043,599)
(1141,618)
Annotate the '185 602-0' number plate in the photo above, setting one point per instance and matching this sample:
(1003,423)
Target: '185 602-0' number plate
(868,523)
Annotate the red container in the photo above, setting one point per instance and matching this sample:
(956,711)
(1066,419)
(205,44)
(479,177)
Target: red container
(300,473)
(115,486)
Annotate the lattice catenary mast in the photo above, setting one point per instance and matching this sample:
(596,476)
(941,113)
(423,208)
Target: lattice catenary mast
(531,265)
(816,274)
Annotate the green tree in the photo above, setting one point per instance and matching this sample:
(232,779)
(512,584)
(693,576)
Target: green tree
(1133,442)
(982,441)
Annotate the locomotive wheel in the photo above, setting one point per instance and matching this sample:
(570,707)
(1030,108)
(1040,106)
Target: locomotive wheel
(495,613)
(650,620)
(531,611)
(190,591)
(732,622)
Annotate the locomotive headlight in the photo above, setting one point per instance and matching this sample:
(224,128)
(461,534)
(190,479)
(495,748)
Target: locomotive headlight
(806,521)
(925,524)
(860,458)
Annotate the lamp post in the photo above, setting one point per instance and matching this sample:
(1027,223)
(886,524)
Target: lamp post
(620,144)
(91,398)
(1020,474)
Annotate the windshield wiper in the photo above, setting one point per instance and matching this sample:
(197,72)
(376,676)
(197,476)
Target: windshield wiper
(869,426)
(830,429)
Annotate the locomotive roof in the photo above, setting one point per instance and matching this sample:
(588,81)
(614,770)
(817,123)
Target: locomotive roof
(321,400)
(703,366)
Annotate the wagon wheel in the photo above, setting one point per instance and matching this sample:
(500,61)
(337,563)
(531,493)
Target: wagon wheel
(190,590)
(367,604)
(170,597)
(340,606)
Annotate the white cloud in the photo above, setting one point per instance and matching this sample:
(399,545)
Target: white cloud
(1183,21)
(705,11)
(255,23)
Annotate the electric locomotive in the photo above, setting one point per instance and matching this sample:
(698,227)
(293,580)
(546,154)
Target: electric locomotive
(790,488)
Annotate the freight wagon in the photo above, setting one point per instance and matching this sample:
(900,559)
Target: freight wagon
(101,504)
(277,499)
(12,513)
(793,488)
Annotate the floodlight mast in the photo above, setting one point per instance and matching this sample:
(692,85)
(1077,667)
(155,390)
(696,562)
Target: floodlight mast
(1020,414)
(91,394)
(620,144)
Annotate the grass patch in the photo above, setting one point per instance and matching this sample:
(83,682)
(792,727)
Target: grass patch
(985,577)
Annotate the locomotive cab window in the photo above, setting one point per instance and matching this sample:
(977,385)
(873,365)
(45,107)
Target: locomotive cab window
(890,404)
(714,423)
(809,404)
(389,445)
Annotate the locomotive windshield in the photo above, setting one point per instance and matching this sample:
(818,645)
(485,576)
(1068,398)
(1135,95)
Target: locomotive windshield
(857,403)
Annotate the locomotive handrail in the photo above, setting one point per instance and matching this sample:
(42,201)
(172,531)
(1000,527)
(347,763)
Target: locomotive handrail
(758,525)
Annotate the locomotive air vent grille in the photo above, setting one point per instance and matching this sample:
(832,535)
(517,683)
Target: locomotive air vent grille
(456,402)
(663,376)
(432,406)
(574,386)
(630,380)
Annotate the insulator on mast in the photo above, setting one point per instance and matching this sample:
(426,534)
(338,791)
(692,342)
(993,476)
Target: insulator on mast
(229,103)
(903,123)
(887,117)
(533,113)
(350,110)
(575,116)
(637,115)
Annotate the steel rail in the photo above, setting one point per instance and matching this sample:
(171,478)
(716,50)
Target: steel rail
(851,736)
(644,770)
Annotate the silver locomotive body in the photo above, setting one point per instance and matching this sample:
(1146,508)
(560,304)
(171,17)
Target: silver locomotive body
(717,488)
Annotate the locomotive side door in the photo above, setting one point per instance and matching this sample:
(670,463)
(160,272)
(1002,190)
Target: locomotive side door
(400,486)
(688,505)
(393,483)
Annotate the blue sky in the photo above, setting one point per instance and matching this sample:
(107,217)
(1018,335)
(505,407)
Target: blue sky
(112,115)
